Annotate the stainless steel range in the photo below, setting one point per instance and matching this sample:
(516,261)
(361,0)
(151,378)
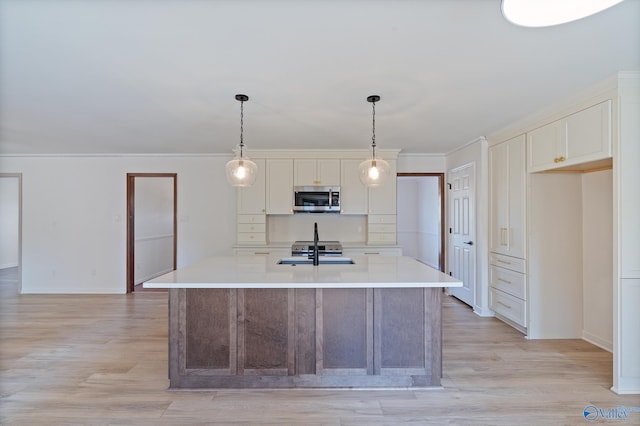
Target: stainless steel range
(325,248)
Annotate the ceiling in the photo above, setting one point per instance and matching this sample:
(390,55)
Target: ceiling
(160,76)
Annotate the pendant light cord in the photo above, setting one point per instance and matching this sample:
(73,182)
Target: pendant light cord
(373,133)
(241,127)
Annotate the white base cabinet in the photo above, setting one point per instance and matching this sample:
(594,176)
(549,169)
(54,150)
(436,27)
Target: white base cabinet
(251,229)
(381,229)
(372,251)
(508,289)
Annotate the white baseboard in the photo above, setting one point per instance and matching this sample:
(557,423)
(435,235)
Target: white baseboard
(8,265)
(483,312)
(598,341)
(152,276)
(628,391)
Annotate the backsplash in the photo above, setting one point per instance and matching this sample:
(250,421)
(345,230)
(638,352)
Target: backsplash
(343,228)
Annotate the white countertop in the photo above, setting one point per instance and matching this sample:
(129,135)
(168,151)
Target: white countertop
(265,272)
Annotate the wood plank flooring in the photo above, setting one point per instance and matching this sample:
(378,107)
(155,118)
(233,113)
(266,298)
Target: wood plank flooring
(102,360)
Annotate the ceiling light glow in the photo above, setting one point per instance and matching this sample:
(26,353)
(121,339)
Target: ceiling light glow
(545,13)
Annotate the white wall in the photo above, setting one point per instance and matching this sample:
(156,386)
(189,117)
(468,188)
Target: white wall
(429,221)
(331,227)
(477,151)
(571,256)
(74,217)
(597,257)
(555,256)
(153,228)
(421,163)
(9,221)
(419,218)
(408,198)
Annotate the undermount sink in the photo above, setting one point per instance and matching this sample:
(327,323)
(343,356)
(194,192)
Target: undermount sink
(323,260)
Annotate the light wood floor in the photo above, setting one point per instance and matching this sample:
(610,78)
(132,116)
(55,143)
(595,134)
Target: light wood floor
(102,360)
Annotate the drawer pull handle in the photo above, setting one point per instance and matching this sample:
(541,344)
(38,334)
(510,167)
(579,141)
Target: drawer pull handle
(503,261)
(505,305)
(260,252)
(371,252)
(504,236)
(505,281)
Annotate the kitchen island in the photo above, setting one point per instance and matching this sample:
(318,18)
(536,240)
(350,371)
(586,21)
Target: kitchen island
(250,322)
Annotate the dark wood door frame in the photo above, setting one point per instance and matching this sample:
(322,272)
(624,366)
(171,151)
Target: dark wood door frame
(131,221)
(440,177)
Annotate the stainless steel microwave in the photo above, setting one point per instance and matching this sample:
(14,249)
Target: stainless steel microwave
(316,199)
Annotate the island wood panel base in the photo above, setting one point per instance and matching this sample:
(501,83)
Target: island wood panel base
(305,338)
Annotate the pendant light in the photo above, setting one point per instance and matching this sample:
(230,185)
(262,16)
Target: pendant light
(374,171)
(241,171)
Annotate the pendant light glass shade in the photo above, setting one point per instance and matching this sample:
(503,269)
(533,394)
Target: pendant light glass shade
(241,171)
(374,171)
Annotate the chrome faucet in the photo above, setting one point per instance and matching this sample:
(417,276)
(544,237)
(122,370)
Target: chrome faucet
(316,256)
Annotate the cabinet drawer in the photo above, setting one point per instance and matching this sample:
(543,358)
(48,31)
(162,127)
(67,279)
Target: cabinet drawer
(252,237)
(253,251)
(252,218)
(508,306)
(382,227)
(508,262)
(382,238)
(508,281)
(251,227)
(382,219)
(373,251)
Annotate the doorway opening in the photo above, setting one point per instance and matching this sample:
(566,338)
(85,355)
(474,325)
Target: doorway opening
(421,222)
(10,233)
(151,226)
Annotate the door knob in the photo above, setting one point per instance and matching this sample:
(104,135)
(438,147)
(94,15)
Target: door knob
(468,242)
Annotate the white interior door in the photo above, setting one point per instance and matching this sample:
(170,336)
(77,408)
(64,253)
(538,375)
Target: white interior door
(462,253)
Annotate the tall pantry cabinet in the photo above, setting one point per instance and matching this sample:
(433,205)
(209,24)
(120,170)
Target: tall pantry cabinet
(507,238)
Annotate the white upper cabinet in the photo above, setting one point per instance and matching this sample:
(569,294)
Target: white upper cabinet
(251,200)
(578,138)
(280,186)
(308,172)
(354,196)
(546,147)
(382,200)
(507,197)
(589,133)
